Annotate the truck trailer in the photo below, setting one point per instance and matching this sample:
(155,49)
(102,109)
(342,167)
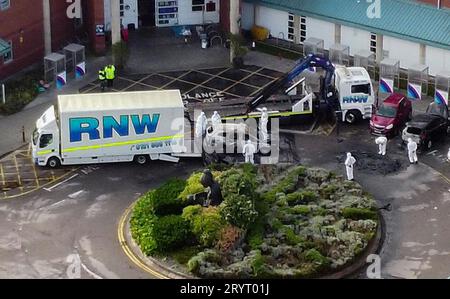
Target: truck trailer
(110,127)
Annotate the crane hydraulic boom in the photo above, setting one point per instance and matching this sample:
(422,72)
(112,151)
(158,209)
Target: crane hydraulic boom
(310,61)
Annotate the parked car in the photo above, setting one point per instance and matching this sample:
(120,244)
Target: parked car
(427,128)
(391,116)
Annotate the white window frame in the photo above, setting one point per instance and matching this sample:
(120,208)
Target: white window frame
(5,4)
(302,32)
(10,52)
(373,39)
(291,35)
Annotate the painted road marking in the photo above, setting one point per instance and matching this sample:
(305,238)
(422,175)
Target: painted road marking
(127,250)
(75,194)
(54,186)
(96,276)
(432,153)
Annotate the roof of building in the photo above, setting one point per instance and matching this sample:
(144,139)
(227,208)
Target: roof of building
(404,19)
(120,101)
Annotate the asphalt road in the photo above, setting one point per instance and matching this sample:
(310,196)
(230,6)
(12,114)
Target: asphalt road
(71,230)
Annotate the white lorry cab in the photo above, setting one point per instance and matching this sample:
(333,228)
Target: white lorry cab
(356,93)
(110,127)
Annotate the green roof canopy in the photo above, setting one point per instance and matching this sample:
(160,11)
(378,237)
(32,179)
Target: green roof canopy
(404,19)
(4,47)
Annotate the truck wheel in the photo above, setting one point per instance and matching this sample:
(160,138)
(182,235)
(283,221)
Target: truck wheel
(352,116)
(141,159)
(53,162)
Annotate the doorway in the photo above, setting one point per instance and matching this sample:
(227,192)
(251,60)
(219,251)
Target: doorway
(146,13)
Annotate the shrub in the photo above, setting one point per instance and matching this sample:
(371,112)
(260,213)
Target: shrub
(20,92)
(316,257)
(169,232)
(165,199)
(193,186)
(184,254)
(239,210)
(120,54)
(359,214)
(205,223)
(236,181)
(228,238)
(291,237)
(300,210)
(287,185)
(305,196)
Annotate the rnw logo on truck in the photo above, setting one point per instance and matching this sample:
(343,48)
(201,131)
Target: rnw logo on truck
(355,99)
(89,125)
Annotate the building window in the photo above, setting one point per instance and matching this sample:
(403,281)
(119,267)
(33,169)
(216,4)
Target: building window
(198,5)
(4,4)
(291,28)
(302,29)
(373,43)
(8,56)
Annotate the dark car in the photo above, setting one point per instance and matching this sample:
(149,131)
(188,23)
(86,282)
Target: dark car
(425,129)
(391,116)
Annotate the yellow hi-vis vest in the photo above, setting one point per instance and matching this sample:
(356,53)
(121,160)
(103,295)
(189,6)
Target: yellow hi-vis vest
(110,72)
(101,75)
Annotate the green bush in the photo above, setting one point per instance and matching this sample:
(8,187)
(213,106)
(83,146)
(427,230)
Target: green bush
(205,223)
(291,237)
(305,196)
(316,257)
(20,92)
(120,54)
(170,232)
(287,185)
(359,214)
(165,199)
(193,186)
(237,181)
(300,210)
(184,254)
(239,210)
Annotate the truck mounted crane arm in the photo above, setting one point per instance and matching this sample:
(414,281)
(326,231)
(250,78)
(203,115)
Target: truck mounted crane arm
(310,61)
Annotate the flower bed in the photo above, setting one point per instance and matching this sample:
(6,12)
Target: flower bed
(274,222)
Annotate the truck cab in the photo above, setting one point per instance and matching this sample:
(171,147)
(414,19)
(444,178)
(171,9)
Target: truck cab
(356,93)
(45,140)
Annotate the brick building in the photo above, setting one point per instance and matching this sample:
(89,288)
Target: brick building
(23,34)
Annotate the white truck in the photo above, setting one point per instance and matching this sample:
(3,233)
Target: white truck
(356,94)
(110,127)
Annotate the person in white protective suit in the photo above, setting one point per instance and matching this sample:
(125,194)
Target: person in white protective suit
(349,162)
(412,151)
(249,151)
(200,126)
(448,155)
(263,121)
(216,119)
(382,142)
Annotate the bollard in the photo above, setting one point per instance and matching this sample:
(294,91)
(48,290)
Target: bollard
(23,134)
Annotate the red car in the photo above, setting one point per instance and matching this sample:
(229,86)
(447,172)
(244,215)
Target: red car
(391,116)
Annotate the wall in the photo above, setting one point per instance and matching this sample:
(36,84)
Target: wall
(95,15)
(29,18)
(188,17)
(63,28)
(407,52)
(275,21)
(248,15)
(357,39)
(320,29)
(437,59)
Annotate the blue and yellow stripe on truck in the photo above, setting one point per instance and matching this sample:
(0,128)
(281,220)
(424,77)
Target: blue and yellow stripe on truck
(114,144)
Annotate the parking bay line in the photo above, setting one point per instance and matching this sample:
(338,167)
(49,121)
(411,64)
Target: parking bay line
(54,186)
